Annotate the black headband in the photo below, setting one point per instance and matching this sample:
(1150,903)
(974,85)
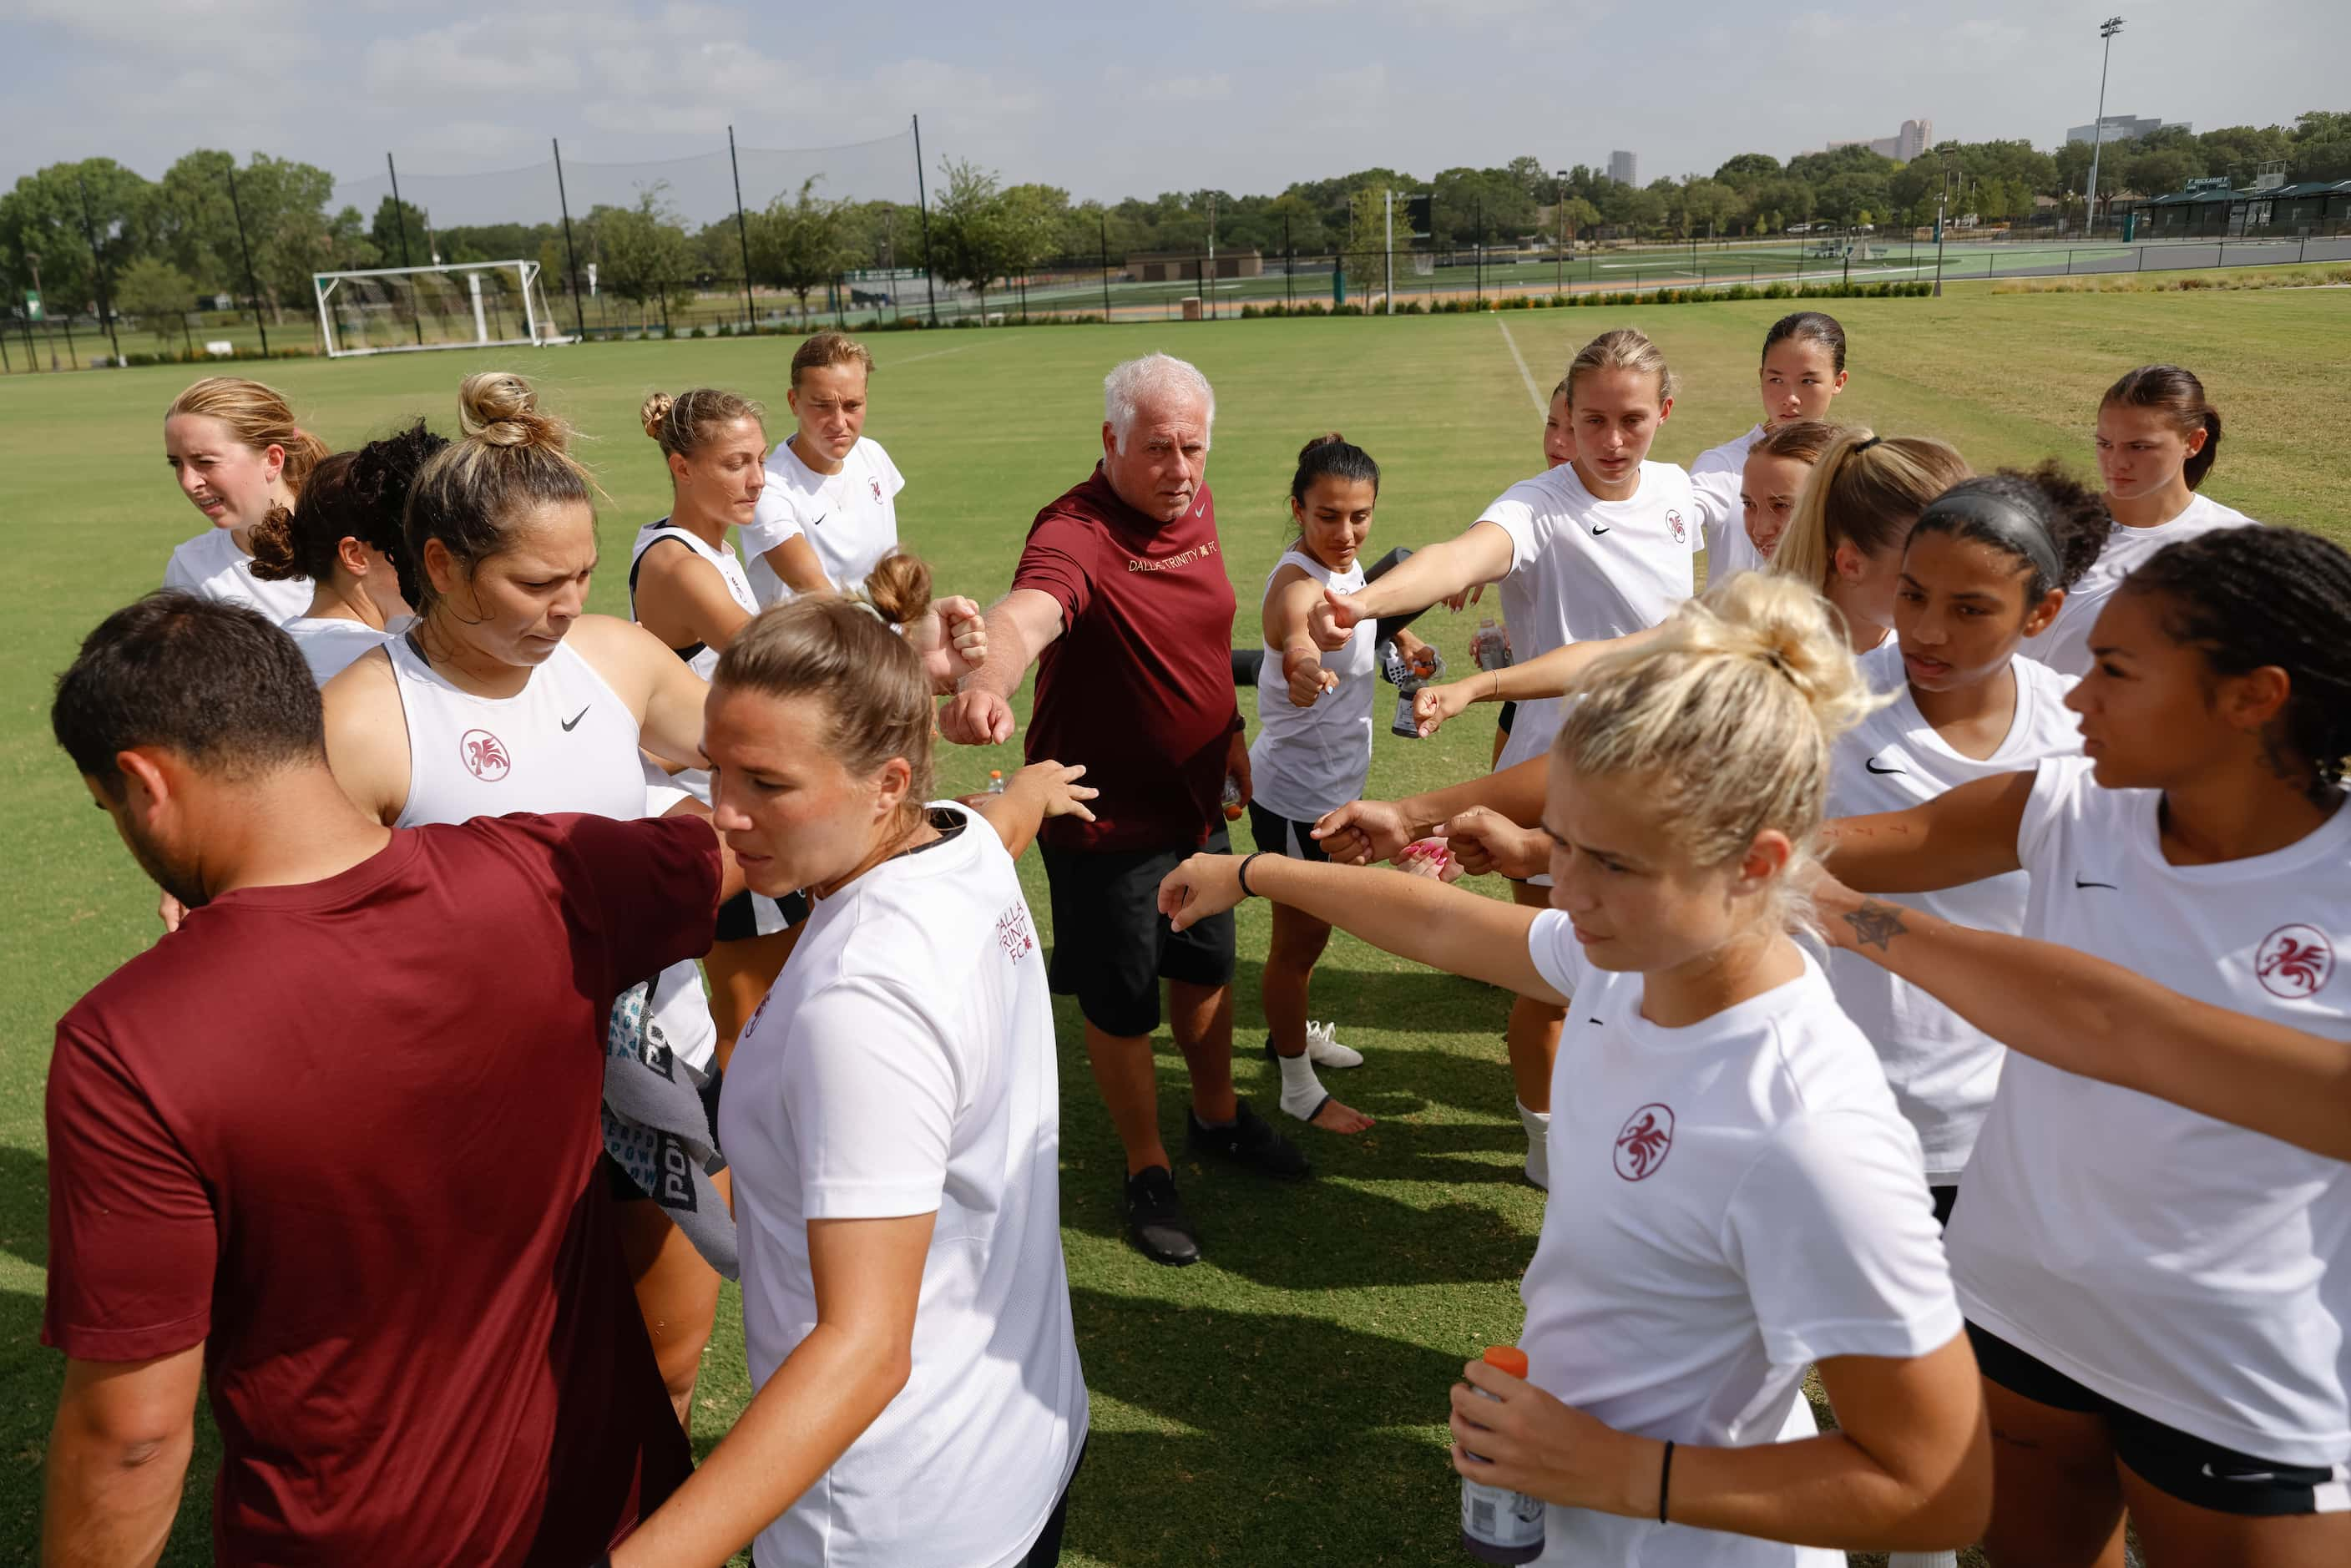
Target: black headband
(1864,446)
(2018,527)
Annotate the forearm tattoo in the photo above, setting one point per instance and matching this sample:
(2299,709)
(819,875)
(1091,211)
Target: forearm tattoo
(1876,925)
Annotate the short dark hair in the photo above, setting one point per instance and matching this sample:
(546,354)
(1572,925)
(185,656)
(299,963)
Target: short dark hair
(215,681)
(1810,327)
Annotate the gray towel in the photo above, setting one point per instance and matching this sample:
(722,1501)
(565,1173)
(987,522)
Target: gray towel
(657,1130)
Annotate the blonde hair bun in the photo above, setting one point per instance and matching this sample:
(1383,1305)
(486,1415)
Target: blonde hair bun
(499,408)
(654,412)
(1798,634)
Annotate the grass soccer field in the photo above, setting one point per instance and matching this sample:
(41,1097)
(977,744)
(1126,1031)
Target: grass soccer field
(1283,1402)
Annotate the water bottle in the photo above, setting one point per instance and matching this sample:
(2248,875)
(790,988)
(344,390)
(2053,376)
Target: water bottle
(1499,1526)
(1232,799)
(1490,645)
(995,781)
(1406,723)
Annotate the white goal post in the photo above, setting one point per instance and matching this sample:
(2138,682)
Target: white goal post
(462,305)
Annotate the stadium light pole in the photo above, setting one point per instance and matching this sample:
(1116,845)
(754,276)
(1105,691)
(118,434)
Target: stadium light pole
(400,217)
(2106,30)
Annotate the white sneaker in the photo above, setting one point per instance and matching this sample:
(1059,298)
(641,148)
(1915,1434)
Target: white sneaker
(1325,1051)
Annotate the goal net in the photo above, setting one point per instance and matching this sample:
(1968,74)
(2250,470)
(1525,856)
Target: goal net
(464,305)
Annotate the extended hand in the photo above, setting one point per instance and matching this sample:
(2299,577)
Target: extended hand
(1057,789)
(1483,841)
(976,717)
(1307,679)
(1432,705)
(966,628)
(1333,621)
(1362,832)
(1204,885)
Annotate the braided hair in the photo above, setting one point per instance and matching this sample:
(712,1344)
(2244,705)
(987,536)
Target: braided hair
(2254,597)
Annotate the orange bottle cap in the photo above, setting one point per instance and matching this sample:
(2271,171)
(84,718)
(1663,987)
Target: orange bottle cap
(1507,1358)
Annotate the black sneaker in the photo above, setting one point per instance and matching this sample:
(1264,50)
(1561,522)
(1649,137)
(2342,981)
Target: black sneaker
(1250,1142)
(1155,1218)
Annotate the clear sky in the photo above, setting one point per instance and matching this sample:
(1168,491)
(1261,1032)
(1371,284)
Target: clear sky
(1109,98)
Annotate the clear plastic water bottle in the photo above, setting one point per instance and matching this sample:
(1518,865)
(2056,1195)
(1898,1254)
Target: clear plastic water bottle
(1232,799)
(1498,1525)
(995,781)
(1489,645)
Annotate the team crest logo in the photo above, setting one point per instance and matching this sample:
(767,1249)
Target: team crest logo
(484,756)
(1012,933)
(877,488)
(2294,962)
(1646,1138)
(1674,521)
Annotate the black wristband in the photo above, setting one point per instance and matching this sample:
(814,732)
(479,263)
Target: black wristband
(1664,1480)
(1243,872)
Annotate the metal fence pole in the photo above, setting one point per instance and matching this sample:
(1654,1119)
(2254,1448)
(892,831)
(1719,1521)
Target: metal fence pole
(743,234)
(1101,223)
(251,284)
(1290,265)
(579,306)
(922,201)
(400,216)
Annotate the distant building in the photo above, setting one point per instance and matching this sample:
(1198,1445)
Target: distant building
(1179,266)
(1915,136)
(2123,128)
(1624,168)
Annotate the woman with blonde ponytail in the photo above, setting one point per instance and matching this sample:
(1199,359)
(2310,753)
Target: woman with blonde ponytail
(1734,1194)
(238,456)
(1844,539)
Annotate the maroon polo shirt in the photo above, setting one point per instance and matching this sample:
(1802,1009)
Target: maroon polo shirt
(1139,686)
(344,1135)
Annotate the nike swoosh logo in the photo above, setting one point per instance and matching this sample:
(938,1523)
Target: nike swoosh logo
(574,719)
(1597,532)
(820,520)
(2110,887)
(1872,766)
(2255,1476)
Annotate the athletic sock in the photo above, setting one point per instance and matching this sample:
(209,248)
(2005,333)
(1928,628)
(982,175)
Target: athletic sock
(1923,1560)
(1538,1126)
(1301,1092)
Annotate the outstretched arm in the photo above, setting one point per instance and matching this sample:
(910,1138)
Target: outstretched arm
(1544,675)
(1039,791)
(1436,571)
(1414,917)
(1961,836)
(2099,1019)
(795,561)
(1020,626)
(1364,831)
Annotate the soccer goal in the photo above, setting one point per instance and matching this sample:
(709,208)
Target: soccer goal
(465,305)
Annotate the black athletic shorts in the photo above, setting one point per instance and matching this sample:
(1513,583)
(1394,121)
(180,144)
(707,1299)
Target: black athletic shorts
(2196,1473)
(1509,714)
(1110,945)
(738,918)
(1281,836)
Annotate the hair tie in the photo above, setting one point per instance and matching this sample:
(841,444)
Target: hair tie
(1866,445)
(867,607)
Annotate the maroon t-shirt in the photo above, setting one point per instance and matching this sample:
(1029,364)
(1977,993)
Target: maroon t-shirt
(1139,686)
(345,1134)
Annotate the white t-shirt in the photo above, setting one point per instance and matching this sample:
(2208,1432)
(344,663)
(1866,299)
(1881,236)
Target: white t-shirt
(1582,567)
(1729,1202)
(1718,475)
(211,565)
(328,643)
(2194,1271)
(1943,1070)
(2065,645)
(905,1064)
(850,518)
(1309,760)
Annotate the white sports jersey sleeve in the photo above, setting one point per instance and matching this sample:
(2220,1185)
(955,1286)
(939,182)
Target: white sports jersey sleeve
(1558,955)
(775,519)
(1515,512)
(871,1097)
(1836,1265)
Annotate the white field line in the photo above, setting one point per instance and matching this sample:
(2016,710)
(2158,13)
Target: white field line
(1534,394)
(937,353)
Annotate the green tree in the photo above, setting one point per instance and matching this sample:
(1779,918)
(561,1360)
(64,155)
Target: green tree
(967,237)
(641,251)
(1746,171)
(400,235)
(801,244)
(157,294)
(44,216)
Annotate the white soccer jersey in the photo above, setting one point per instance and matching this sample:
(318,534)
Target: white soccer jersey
(2192,1270)
(904,1065)
(1582,569)
(1942,1069)
(850,518)
(211,566)
(329,642)
(1718,477)
(701,658)
(2065,646)
(1309,760)
(566,742)
(1729,1202)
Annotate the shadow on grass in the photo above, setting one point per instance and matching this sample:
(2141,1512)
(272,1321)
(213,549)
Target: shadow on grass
(1296,1439)
(1413,1000)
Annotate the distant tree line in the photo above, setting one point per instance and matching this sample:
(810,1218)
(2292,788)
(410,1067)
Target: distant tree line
(167,244)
